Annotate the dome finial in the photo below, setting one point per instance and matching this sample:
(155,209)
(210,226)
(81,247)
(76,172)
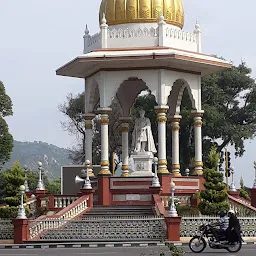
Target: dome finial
(161,18)
(86,32)
(103,20)
(197,26)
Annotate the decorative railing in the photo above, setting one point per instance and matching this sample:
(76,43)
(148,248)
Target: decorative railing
(190,225)
(132,33)
(6,228)
(106,229)
(159,207)
(160,35)
(57,202)
(241,206)
(32,205)
(181,35)
(36,227)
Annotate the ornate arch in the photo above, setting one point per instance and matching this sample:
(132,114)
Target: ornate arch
(128,91)
(175,97)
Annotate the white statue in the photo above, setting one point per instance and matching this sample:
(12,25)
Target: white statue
(142,138)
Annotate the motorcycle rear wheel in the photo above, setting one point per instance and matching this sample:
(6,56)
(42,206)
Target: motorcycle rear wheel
(198,242)
(236,247)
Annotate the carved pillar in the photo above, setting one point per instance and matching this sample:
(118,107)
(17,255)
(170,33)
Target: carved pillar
(88,117)
(104,141)
(198,164)
(161,119)
(175,145)
(125,145)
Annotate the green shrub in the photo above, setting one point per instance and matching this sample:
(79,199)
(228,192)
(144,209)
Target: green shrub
(214,198)
(10,212)
(185,210)
(12,201)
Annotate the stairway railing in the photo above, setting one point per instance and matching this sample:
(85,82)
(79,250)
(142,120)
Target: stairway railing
(38,226)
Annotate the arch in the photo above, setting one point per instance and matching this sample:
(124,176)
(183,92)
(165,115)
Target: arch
(128,91)
(110,83)
(175,97)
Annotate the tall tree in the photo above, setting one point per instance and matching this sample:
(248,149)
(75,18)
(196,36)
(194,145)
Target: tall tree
(13,179)
(75,125)
(6,139)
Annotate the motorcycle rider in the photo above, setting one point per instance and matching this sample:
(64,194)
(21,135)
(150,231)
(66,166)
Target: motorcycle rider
(223,224)
(234,229)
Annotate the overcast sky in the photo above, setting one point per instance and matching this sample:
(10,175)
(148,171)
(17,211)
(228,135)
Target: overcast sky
(38,36)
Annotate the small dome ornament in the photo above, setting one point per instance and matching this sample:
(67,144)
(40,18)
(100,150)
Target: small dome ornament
(197,27)
(103,20)
(86,32)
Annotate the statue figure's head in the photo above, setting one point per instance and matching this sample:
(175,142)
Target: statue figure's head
(142,112)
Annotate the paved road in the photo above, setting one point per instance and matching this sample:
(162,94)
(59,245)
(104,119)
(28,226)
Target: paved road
(248,250)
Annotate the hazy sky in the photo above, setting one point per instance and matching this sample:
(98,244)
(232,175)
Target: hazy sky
(38,36)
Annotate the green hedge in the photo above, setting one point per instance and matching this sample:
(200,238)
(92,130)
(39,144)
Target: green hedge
(10,212)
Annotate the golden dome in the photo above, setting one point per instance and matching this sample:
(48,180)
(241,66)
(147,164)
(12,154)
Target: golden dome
(142,11)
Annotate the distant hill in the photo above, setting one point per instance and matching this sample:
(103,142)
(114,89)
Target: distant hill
(29,153)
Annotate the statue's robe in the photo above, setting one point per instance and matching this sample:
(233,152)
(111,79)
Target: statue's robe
(142,133)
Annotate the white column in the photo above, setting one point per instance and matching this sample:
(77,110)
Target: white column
(104,32)
(161,119)
(125,146)
(176,145)
(88,139)
(104,141)
(198,35)
(198,164)
(161,31)
(86,39)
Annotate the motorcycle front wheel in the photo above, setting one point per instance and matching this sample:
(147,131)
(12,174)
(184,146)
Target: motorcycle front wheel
(236,247)
(197,244)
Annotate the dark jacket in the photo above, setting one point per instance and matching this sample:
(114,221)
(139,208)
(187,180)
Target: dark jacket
(234,229)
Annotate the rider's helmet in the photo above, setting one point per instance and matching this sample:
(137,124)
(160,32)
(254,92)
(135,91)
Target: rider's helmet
(231,212)
(222,213)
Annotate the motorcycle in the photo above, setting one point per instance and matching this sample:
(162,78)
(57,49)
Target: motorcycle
(198,243)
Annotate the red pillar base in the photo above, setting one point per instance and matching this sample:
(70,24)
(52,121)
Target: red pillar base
(20,228)
(165,180)
(173,228)
(253,197)
(90,193)
(104,194)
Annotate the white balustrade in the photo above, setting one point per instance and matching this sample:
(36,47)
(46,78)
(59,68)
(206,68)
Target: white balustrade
(36,227)
(63,202)
(141,37)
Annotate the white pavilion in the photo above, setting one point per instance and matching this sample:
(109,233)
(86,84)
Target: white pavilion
(141,45)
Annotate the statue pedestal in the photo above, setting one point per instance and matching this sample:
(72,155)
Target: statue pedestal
(142,164)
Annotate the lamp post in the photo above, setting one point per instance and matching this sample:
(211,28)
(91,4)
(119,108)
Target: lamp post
(254,184)
(172,212)
(187,171)
(87,183)
(155,181)
(40,184)
(232,185)
(26,179)
(21,211)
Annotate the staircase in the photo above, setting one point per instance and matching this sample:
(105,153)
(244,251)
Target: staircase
(119,211)
(113,223)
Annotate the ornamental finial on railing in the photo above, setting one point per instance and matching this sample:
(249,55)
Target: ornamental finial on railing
(87,183)
(232,185)
(155,181)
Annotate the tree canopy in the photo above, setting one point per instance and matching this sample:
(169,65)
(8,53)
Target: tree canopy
(229,101)
(6,139)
